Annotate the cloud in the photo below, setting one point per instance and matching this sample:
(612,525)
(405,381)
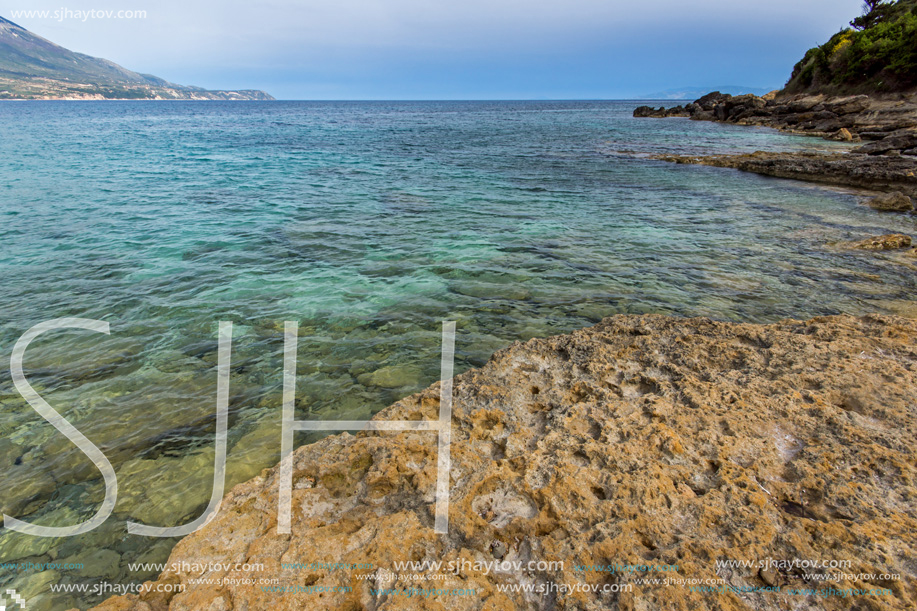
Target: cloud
(335,42)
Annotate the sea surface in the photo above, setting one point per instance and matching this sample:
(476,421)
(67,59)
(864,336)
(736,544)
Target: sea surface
(370,223)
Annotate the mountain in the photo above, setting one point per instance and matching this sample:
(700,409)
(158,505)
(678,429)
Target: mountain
(692,93)
(878,55)
(34,68)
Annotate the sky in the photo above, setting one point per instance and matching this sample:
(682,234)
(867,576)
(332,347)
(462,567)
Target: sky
(447,49)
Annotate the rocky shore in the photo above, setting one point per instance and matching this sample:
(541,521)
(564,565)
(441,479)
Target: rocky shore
(897,175)
(645,441)
(889,121)
(887,161)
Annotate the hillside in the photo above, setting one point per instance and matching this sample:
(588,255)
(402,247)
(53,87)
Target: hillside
(877,55)
(34,68)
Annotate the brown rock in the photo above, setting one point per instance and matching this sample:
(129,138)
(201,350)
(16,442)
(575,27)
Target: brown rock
(891,202)
(804,104)
(867,171)
(892,241)
(768,576)
(844,106)
(709,101)
(843,135)
(896,141)
(643,440)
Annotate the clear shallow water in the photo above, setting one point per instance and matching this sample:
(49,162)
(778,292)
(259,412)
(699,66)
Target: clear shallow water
(370,223)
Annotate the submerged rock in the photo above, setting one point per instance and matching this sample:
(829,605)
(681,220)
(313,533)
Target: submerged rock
(645,440)
(867,171)
(892,241)
(892,202)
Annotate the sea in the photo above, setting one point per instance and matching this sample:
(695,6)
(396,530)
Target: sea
(369,224)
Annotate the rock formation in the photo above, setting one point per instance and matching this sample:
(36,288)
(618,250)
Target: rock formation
(891,241)
(889,122)
(877,173)
(642,441)
(892,202)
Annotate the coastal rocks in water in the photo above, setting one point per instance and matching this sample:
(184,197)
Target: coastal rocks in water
(892,241)
(891,202)
(645,440)
(895,142)
(889,119)
(843,135)
(393,376)
(661,112)
(867,171)
(96,563)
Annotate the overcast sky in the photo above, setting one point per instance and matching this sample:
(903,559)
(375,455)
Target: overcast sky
(450,49)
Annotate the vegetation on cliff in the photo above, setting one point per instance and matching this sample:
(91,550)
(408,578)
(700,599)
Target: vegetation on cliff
(879,54)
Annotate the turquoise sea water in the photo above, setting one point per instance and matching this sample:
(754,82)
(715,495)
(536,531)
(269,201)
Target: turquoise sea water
(370,223)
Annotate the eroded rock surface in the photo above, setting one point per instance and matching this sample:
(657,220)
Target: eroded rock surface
(890,121)
(645,440)
(892,202)
(891,241)
(877,173)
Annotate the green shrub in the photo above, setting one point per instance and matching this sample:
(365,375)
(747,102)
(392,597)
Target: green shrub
(882,56)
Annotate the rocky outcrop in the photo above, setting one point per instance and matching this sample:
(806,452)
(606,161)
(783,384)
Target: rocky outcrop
(661,112)
(892,241)
(644,441)
(892,120)
(891,202)
(874,172)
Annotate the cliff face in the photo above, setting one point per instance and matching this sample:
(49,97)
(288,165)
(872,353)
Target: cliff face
(34,68)
(643,441)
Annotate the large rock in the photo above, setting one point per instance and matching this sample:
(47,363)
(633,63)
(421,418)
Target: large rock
(662,111)
(805,104)
(891,202)
(645,440)
(844,106)
(896,141)
(891,241)
(747,100)
(709,101)
(648,111)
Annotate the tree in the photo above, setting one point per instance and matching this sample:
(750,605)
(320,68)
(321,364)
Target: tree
(869,16)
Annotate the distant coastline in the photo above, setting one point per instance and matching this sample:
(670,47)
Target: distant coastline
(33,68)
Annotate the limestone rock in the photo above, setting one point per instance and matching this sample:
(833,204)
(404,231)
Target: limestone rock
(892,202)
(896,141)
(395,376)
(642,440)
(868,171)
(844,106)
(892,241)
(890,121)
